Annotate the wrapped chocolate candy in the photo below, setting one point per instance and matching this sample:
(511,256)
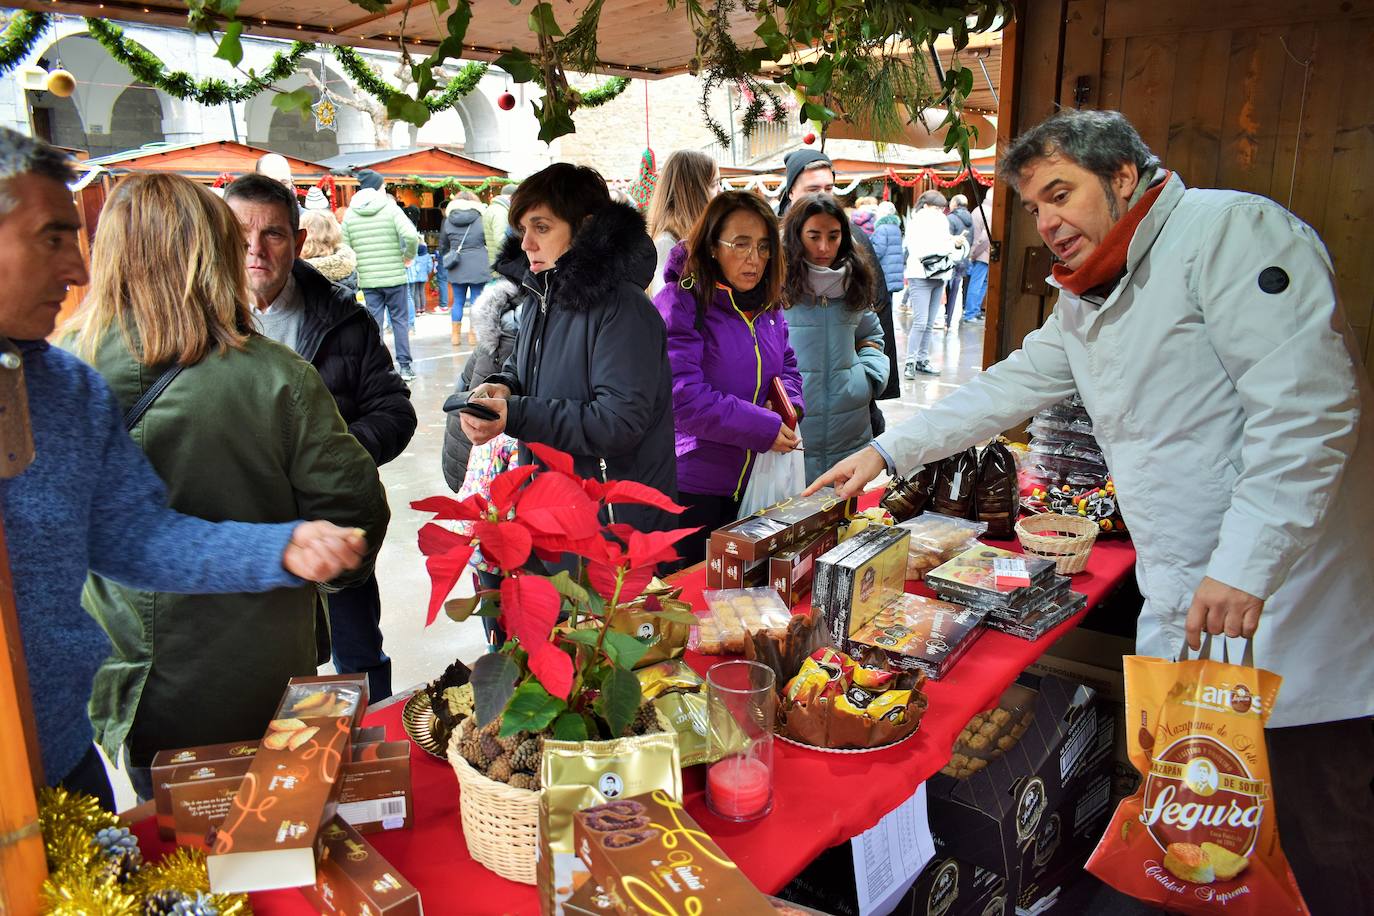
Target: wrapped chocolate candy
(955,483)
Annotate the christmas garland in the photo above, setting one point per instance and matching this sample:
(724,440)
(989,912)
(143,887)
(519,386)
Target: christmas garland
(930,175)
(368,80)
(20,36)
(146,67)
(95,866)
(449,184)
(604,93)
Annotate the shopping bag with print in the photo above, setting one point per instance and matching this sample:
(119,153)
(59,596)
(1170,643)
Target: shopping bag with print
(1199,835)
(776,476)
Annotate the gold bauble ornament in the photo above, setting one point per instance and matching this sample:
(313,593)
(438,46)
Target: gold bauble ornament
(61,83)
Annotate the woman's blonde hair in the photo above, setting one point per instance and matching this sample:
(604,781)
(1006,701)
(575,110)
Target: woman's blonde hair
(684,189)
(322,234)
(167,267)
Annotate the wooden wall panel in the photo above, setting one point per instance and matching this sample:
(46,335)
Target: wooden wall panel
(1148,87)
(1082,52)
(1319,117)
(1171,17)
(1349,224)
(1249,128)
(1113,70)
(1197,107)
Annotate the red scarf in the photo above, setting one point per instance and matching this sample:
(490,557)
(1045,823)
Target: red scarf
(1108,261)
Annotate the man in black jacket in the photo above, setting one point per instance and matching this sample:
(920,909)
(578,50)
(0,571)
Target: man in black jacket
(296,305)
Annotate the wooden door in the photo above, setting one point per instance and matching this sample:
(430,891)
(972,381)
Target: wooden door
(1253,95)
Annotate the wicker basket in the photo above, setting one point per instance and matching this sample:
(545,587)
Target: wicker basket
(1065,539)
(500,822)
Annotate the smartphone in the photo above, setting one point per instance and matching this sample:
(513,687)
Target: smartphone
(480,411)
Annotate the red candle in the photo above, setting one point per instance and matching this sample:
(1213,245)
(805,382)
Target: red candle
(739,787)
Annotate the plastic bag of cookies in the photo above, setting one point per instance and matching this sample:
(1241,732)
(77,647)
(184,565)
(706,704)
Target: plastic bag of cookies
(936,539)
(735,613)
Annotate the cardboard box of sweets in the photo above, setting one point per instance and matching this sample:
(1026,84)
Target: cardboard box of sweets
(1038,623)
(1038,598)
(1054,859)
(651,857)
(987,817)
(969,578)
(375,794)
(868,579)
(920,634)
(790,521)
(792,571)
(295,778)
(352,878)
(216,761)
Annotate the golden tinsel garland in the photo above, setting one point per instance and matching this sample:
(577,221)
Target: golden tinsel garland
(76,893)
(81,881)
(184,870)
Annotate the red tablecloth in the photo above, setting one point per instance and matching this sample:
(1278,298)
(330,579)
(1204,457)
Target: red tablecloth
(820,799)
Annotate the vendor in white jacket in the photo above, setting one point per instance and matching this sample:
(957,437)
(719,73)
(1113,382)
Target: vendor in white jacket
(1203,331)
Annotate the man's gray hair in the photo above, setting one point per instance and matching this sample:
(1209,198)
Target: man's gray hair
(21,155)
(957,201)
(258,188)
(1099,141)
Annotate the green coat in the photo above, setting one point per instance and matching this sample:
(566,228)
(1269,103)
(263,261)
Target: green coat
(382,237)
(495,225)
(253,436)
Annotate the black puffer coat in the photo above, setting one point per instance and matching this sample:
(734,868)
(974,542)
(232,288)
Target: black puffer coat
(341,341)
(590,372)
(494,320)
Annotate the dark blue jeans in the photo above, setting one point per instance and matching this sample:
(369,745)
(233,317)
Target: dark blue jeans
(355,629)
(976,290)
(392,300)
(441,280)
(464,294)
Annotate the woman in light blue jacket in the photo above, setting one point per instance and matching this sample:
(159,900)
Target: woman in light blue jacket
(829,290)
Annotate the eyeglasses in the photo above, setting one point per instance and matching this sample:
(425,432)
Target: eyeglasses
(742,250)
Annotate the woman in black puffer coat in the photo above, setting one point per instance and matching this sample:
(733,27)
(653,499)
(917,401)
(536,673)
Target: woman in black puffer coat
(590,373)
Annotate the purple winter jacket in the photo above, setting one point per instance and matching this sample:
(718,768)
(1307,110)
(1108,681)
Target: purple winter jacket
(720,381)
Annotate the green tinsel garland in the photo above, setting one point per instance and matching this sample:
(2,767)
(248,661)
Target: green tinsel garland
(449,184)
(603,93)
(146,67)
(20,36)
(368,80)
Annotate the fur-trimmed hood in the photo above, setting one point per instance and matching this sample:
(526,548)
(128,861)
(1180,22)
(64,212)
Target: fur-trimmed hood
(612,246)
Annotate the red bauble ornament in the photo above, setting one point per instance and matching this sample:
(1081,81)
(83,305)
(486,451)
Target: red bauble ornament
(809,139)
(505,101)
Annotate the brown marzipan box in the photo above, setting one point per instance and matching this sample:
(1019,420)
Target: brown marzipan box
(792,571)
(266,841)
(214,762)
(352,878)
(650,857)
(375,795)
(789,522)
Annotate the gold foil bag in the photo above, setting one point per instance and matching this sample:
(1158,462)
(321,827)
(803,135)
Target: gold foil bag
(580,774)
(679,697)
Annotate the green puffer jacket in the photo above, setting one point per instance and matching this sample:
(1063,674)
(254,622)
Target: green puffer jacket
(383,238)
(254,436)
(840,375)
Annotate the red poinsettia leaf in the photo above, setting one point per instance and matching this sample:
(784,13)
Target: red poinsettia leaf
(529,608)
(554,504)
(436,539)
(553,669)
(449,509)
(655,546)
(593,488)
(444,570)
(631,491)
(601,577)
(552,458)
(547,554)
(635,582)
(507,544)
(504,486)
(622,531)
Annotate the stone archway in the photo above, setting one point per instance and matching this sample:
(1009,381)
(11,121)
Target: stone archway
(288,134)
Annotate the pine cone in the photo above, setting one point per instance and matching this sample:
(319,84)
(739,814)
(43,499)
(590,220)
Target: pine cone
(164,902)
(526,756)
(199,905)
(471,750)
(524,781)
(511,742)
(645,721)
(500,769)
(491,748)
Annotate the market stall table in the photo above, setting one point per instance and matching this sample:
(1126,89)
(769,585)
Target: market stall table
(820,799)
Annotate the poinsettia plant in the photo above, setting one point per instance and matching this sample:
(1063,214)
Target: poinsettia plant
(563,670)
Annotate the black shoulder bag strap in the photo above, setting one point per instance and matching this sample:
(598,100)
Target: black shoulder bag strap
(138,410)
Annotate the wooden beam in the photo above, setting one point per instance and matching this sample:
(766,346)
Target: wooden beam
(1132,18)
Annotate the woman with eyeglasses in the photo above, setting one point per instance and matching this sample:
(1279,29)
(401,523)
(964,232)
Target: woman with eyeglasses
(727,341)
(829,294)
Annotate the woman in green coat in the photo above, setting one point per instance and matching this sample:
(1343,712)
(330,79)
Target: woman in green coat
(829,291)
(246,430)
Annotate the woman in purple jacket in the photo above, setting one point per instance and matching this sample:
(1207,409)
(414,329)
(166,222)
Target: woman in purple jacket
(727,341)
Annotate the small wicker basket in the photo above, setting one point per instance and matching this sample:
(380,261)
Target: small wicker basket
(500,822)
(1065,539)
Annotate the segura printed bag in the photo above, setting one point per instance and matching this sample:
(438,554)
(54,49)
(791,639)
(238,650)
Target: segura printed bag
(1199,836)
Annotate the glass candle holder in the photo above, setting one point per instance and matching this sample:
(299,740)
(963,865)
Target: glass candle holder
(742,701)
